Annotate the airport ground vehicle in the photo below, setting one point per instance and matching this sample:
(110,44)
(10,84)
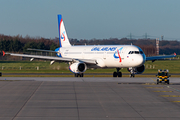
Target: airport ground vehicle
(163,76)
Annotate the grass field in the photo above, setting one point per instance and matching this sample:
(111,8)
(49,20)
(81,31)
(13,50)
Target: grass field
(44,67)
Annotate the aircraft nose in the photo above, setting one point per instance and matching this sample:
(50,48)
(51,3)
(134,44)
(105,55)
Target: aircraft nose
(140,60)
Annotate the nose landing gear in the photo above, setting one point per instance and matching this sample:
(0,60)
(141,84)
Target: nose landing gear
(131,70)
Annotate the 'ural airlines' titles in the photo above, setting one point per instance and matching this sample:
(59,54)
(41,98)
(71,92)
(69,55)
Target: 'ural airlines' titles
(103,49)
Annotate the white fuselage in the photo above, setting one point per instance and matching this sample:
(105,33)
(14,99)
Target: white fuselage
(118,56)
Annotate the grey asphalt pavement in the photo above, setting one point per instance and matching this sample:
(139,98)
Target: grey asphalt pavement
(56,98)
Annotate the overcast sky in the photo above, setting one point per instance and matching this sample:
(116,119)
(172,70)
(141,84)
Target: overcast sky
(89,19)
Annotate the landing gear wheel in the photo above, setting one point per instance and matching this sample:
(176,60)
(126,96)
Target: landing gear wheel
(114,74)
(76,75)
(117,74)
(81,74)
(120,74)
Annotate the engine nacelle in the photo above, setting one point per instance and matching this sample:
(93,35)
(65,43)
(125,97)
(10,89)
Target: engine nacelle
(140,69)
(78,67)
(137,70)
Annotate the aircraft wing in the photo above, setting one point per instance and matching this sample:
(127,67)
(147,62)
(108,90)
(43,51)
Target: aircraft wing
(153,58)
(88,61)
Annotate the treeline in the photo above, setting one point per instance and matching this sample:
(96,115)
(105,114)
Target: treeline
(20,44)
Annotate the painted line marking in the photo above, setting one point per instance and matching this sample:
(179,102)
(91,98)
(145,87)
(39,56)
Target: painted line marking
(170,95)
(149,84)
(155,87)
(175,101)
(173,88)
(153,79)
(162,91)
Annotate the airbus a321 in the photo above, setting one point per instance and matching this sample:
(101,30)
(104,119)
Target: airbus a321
(96,56)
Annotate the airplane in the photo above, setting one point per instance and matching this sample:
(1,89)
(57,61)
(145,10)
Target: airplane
(81,57)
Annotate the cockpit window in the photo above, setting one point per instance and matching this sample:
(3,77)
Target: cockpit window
(135,52)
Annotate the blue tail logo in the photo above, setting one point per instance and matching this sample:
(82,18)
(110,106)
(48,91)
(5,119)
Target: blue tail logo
(63,36)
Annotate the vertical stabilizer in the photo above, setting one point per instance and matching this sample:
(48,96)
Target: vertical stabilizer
(63,39)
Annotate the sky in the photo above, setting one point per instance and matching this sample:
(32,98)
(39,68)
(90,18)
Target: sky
(91,19)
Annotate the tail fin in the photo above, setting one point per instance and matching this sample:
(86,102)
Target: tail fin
(63,39)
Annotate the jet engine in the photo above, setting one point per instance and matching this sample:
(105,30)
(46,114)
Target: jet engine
(78,67)
(137,70)
(140,69)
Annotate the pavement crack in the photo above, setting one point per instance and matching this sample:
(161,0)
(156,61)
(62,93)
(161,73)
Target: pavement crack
(76,100)
(27,101)
(126,102)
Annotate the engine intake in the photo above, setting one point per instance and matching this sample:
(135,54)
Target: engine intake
(140,69)
(78,67)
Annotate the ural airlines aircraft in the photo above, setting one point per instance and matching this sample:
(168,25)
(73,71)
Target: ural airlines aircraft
(96,56)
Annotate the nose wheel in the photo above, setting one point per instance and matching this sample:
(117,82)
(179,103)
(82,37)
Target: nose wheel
(117,74)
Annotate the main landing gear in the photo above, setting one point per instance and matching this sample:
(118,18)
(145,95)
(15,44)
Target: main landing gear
(79,75)
(117,74)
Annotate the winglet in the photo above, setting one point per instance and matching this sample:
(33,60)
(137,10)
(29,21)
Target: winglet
(3,53)
(175,54)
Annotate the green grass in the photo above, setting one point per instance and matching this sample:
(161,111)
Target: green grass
(172,65)
(32,67)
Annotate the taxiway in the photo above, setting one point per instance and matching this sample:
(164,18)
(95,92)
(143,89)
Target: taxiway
(88,98)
